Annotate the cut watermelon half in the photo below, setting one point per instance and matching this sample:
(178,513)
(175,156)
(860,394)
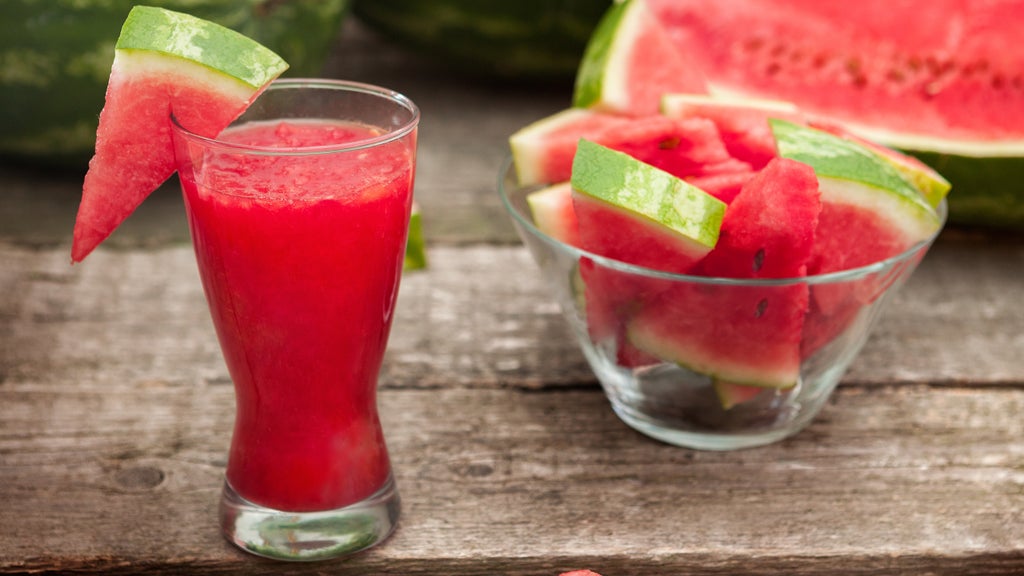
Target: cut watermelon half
(630,61)
(164,63)
(939,80)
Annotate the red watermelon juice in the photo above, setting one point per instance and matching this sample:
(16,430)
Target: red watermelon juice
(299,228)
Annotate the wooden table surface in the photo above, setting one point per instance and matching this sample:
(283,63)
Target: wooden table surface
(116,409)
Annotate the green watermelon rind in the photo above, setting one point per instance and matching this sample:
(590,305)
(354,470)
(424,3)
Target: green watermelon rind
(598,57)
(987,192)
(852,174)
(731,394)
(686,213)
(415,244)
(699,361)
(216,47)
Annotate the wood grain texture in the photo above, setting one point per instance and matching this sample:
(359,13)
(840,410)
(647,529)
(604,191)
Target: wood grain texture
(480,316)
(522,483)
(115,414)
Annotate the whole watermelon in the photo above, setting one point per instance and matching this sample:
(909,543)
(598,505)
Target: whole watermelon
(55,57)
(535,40)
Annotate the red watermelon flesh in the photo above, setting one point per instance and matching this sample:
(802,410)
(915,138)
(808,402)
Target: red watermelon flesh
(612,296)
(743,334)
(724,186)
(836,304)
(554,214)
(544,151)
(954,63)
(134,152)
(630,62)
(636,241)
(692,146)
(743,125)
(769,229)
(832,309)
(836,249)
(654,68)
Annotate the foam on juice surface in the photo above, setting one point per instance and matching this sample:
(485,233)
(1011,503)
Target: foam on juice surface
(305,160)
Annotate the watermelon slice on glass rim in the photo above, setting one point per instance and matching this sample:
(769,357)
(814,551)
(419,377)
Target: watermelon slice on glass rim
(165,63)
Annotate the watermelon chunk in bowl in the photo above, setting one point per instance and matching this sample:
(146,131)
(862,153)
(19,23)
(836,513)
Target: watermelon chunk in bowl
(704,361)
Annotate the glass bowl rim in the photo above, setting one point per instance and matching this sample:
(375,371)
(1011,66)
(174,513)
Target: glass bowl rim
(849,274)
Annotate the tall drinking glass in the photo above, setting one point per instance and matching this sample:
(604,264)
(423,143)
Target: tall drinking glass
(299,213)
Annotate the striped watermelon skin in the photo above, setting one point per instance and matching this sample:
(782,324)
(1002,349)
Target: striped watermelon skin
(540,41)
(56,60)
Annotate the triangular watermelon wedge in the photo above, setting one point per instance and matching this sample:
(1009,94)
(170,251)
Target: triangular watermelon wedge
(164,63)
(739,333)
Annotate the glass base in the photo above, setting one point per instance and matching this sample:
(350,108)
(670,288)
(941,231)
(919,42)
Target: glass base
(675,434)
(305,536)
(675,405)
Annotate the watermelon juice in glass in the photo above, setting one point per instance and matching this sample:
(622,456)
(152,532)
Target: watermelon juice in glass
(299,213)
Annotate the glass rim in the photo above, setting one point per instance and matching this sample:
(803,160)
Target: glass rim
(322,83)
(846,275)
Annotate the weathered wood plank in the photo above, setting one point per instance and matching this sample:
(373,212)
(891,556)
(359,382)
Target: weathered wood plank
(479,317)
(913,479)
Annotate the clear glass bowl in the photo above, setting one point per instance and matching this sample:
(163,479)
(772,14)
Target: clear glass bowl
(645,333)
